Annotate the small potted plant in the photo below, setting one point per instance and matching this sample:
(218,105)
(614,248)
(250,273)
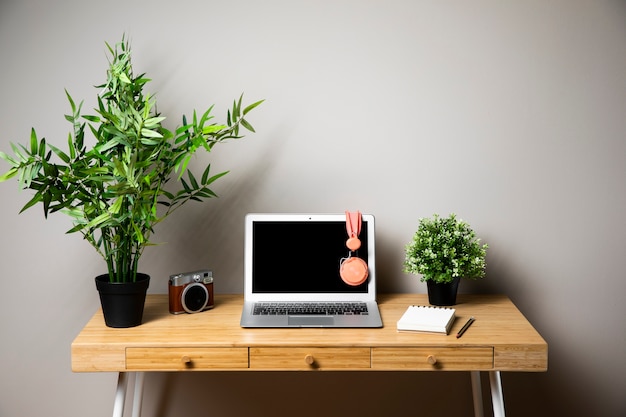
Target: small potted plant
(443,251)
(118,189)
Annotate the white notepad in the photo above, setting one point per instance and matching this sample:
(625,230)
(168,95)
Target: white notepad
(427,319)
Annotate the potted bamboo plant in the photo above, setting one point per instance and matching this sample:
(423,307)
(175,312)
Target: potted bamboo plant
(444,250)
(132,178)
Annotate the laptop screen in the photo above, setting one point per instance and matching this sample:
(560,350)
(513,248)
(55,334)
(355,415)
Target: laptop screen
(303,256)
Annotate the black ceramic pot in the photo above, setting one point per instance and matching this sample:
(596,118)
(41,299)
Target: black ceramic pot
(122,302)
(443,294)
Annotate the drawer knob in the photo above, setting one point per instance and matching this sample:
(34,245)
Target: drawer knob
(185,359)
(432,359)
(309,359)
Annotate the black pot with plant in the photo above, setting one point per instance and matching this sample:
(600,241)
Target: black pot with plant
(115,191)
(444,250)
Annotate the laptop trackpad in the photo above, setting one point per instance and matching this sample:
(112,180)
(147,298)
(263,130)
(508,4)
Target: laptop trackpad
(310,321)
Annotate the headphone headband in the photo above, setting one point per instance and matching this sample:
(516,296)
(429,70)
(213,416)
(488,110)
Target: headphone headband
(353,227)
(353,270)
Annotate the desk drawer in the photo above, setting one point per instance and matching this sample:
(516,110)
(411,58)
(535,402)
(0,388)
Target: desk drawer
(303,358)
(435,358)
(185,359)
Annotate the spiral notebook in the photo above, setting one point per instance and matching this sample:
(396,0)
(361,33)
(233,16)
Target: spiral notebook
(427,319)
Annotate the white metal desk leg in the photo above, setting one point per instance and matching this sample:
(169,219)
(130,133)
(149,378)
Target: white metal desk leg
(120,395)
(497,398)
(477,393)
(138,395)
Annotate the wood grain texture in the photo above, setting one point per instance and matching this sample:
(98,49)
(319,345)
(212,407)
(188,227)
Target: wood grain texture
(500,339)
(309,358)
(185,359)
(433,358)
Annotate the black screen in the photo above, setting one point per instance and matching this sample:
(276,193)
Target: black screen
(302,257)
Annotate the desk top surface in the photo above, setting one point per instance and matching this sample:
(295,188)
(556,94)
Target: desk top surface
(499,324)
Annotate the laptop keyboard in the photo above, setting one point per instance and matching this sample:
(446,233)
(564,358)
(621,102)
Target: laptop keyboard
(325,309)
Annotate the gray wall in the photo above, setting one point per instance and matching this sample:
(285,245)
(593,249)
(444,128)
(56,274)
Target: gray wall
(511,114)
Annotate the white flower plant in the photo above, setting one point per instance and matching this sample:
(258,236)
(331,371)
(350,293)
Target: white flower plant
(444,248)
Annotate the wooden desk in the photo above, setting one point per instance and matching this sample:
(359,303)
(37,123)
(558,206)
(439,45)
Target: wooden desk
(501,339)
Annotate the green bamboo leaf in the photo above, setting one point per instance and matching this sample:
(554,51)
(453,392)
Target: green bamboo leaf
(9,174)
(24,177)
(153,121)
(76,228)
(18,152)
(247,125)
(72,104)
(206,192)
(93,119)
(192,180)
(206,116)
(237,107)
(207,130)
(138,234)
(33,142)
(252,106)
(124,78)
(116,206)
(99,220)
(142,80)
(185,186)
(94,171)
(60,153)
(215,177)
(7,158)
(167,194)
(182,130)
(150,133)
(205,174)
(47,198)
(36,199)
(71,147)
(42,148)
(50,170)
(184,163)
(149,142)
(108,145)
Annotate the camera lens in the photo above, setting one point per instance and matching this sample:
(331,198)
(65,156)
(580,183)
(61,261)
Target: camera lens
(194,298)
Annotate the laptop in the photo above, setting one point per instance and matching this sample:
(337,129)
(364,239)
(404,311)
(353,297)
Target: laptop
(291,272)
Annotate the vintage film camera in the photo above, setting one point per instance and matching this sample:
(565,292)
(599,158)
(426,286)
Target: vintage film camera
(191,292)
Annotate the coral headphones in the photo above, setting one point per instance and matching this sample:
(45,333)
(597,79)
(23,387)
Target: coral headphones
(353,270)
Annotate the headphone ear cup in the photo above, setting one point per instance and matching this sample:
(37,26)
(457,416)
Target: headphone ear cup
(353,271)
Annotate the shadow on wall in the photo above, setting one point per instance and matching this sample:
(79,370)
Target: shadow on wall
(309,394)
(562,389)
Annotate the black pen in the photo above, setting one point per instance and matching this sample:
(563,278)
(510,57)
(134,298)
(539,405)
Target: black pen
(465,327)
